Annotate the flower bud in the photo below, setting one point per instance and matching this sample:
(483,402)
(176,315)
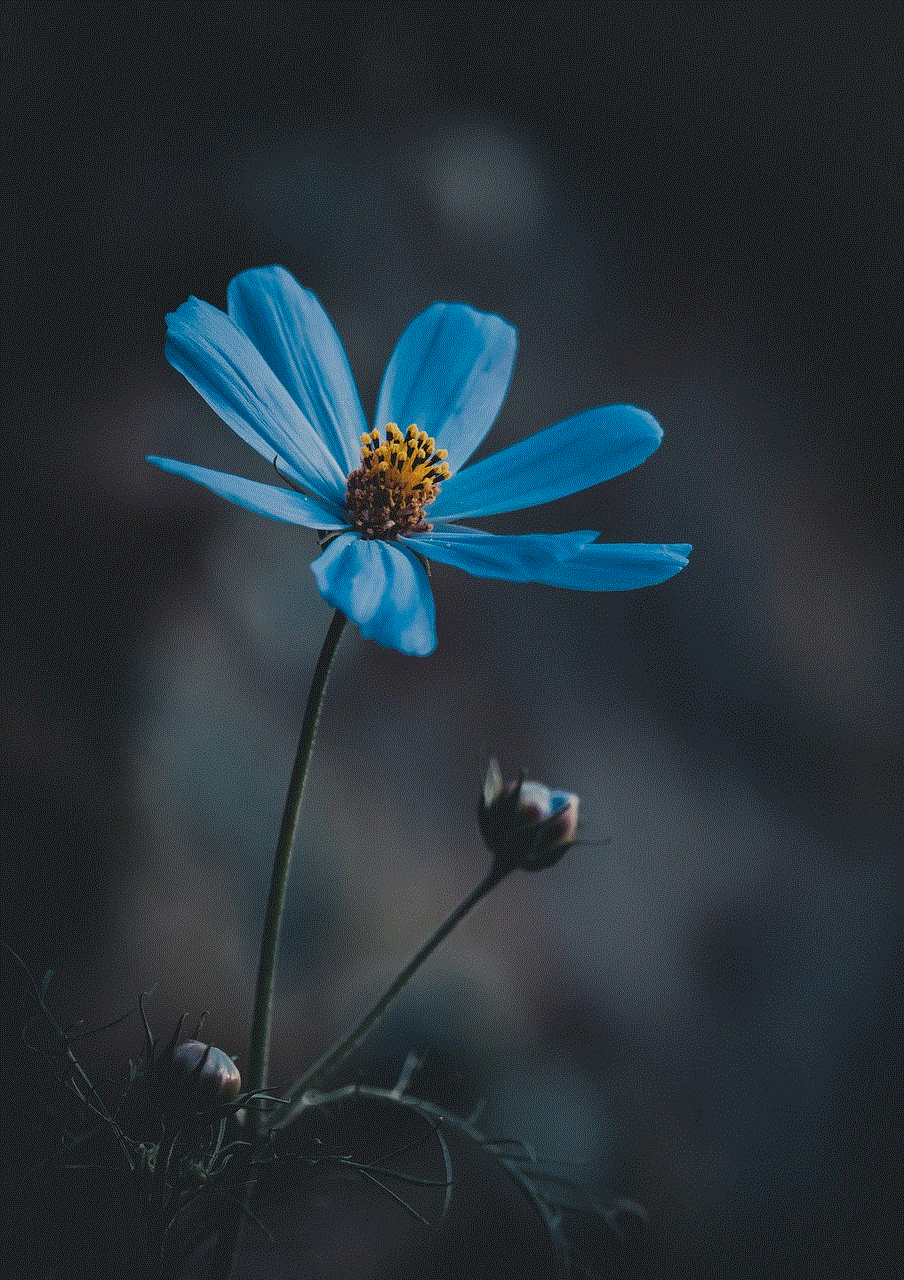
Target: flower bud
(525,824)
(201,1076)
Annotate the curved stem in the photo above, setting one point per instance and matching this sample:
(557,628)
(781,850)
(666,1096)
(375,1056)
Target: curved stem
(282,861)
(342,1048)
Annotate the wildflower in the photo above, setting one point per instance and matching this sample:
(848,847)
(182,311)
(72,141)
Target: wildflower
(384,500)
(525,824)
(200,1076)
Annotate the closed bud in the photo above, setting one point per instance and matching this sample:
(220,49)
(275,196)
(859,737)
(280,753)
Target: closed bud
(525,824)
(201,1077)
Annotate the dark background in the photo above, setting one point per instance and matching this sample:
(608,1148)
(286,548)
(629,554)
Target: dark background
(697,220)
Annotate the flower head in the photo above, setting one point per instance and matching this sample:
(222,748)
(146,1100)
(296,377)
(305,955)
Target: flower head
(199,1076)
(385,499)
(525,824)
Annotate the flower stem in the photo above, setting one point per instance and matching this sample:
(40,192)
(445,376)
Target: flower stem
(342,1048)
(282,861)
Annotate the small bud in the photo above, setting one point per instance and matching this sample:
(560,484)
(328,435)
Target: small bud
(201,1077)
(525,824)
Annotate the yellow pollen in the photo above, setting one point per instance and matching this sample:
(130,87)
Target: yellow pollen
(397,478)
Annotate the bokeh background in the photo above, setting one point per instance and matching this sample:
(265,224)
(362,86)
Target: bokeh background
(694,219)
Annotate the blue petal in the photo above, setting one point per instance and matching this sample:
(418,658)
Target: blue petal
(381,587)
(235,380)
(294,334)
(620,566)
(266,499)
(563,459)
(525,557)
(449,374)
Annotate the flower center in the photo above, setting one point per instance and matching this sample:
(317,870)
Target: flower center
(387,494)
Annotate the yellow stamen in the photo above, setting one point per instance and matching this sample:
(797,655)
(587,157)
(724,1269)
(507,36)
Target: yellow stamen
(397,478)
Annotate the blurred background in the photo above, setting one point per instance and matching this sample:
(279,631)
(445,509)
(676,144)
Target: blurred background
(697,220)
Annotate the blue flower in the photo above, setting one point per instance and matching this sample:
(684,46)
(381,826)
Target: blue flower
(385,500)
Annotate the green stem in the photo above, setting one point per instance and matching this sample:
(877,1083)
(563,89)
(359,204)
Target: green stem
(342,1048)
(282,861)
(157,1204)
